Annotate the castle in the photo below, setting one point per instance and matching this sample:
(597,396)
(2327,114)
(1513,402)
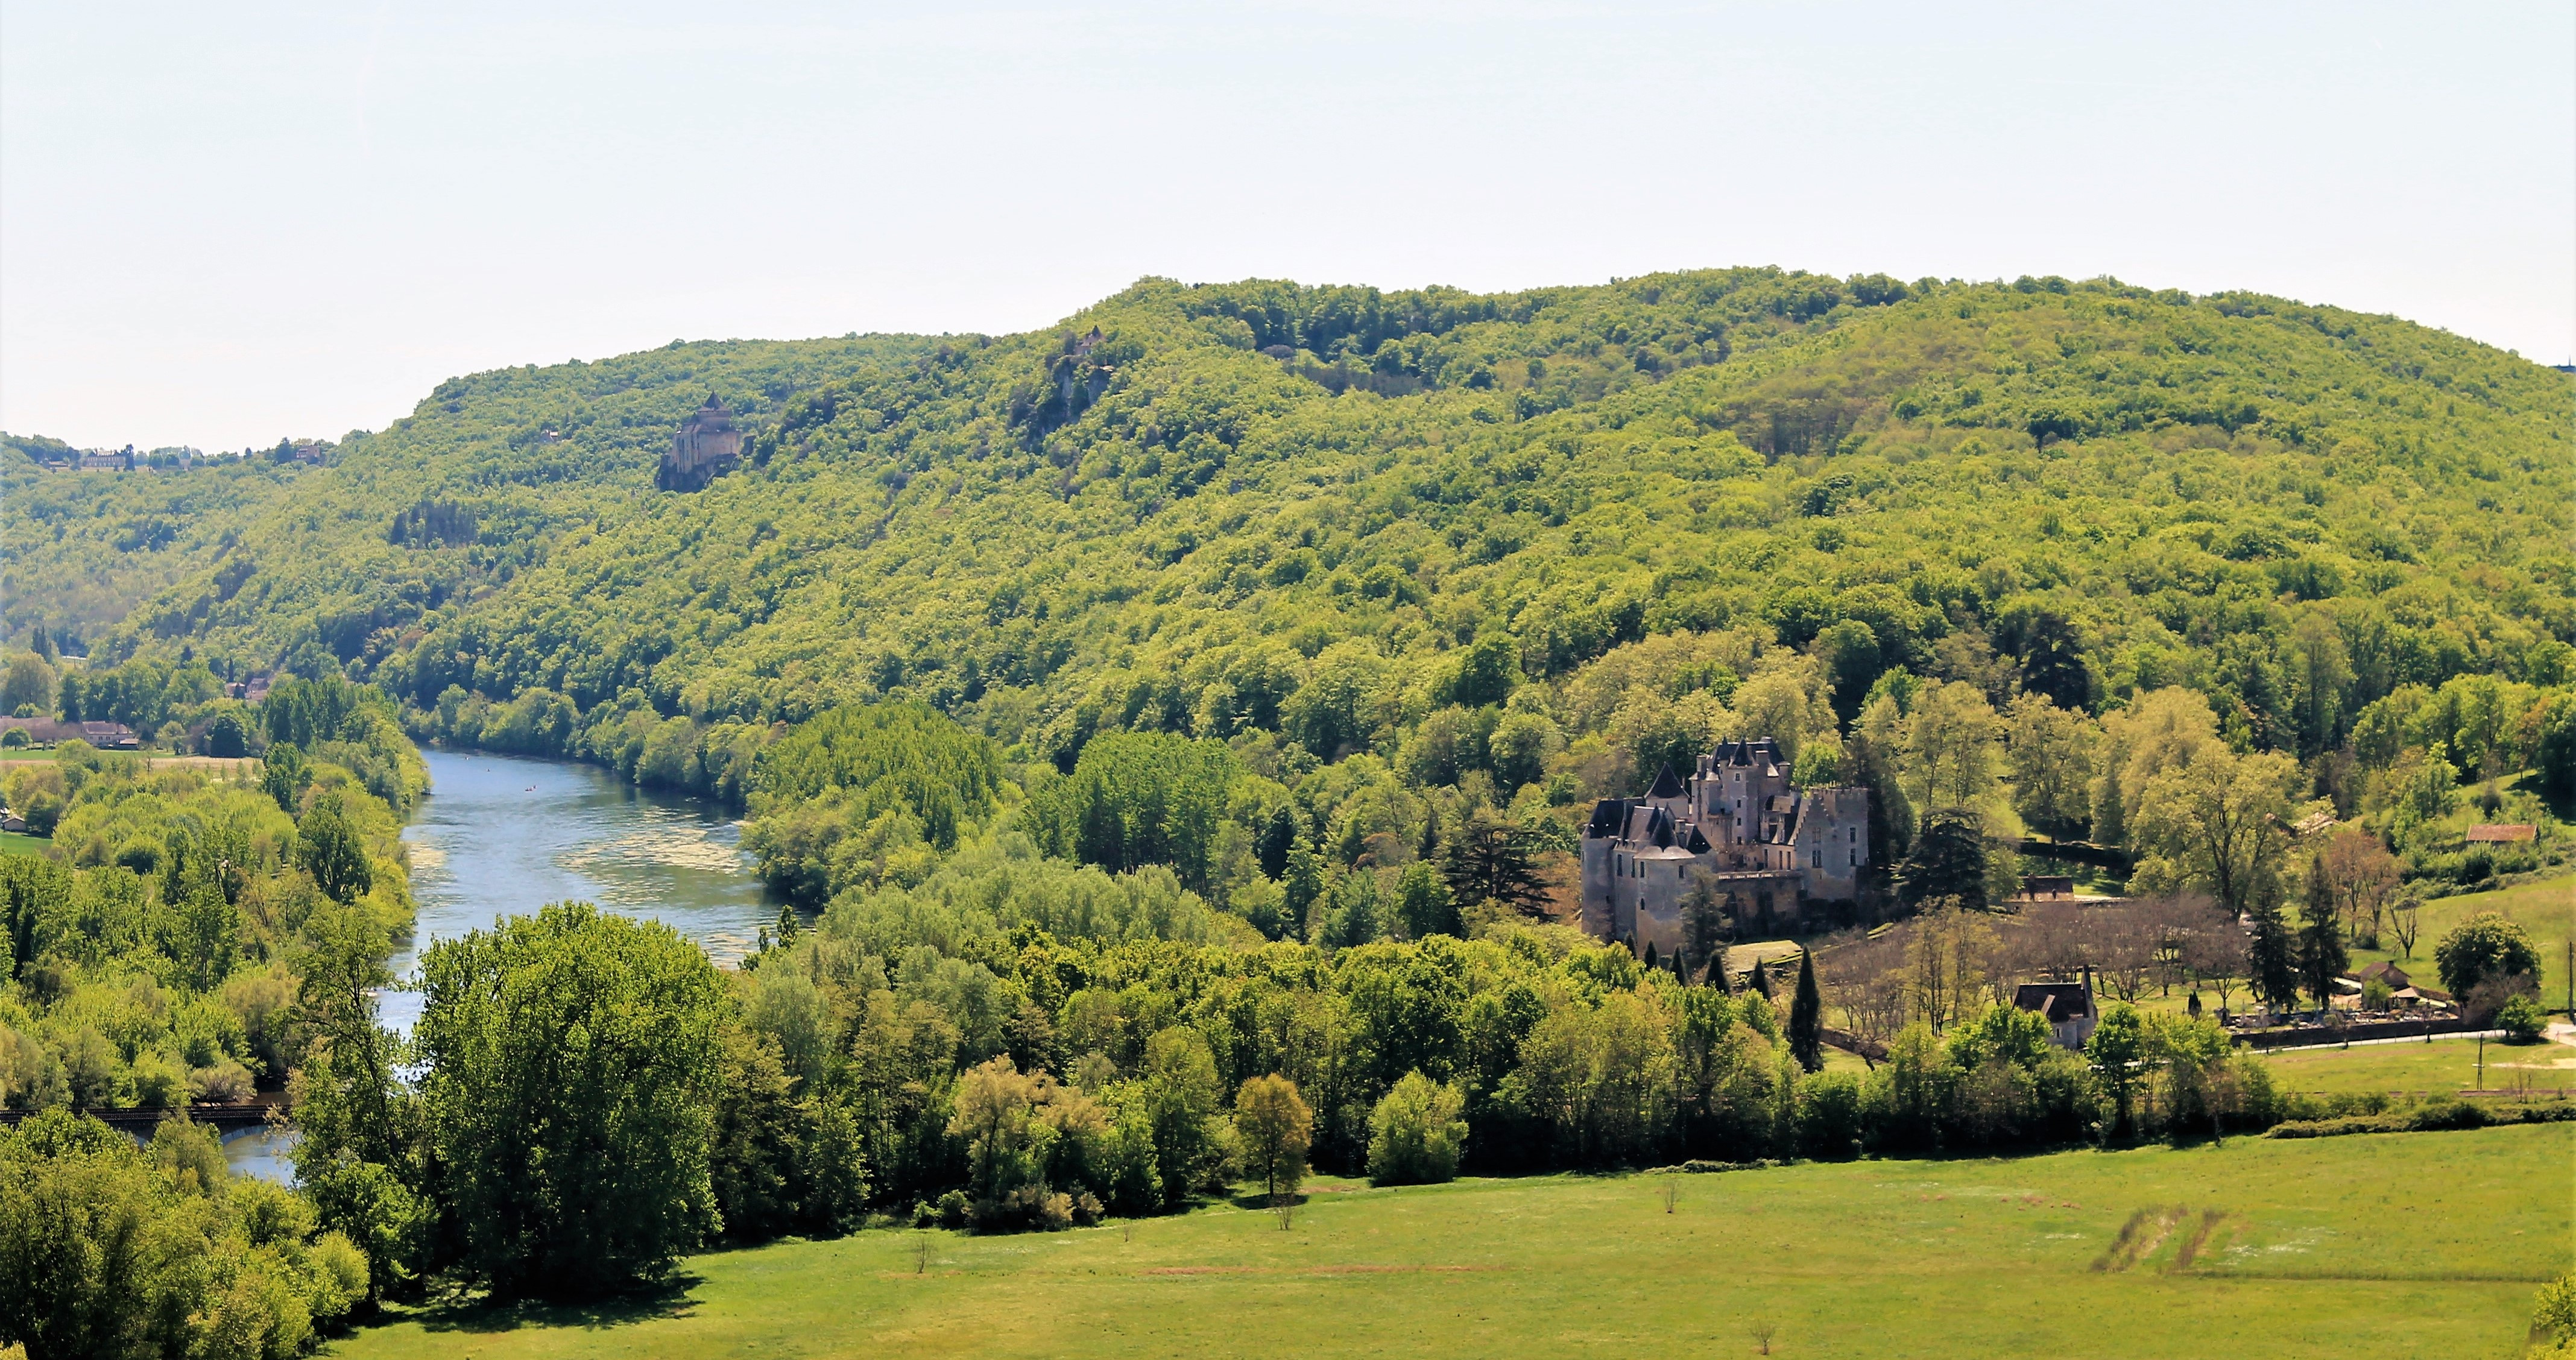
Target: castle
(1764,847)
(706,448)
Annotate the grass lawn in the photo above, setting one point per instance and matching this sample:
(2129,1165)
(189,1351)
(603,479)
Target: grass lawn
(2442,1067)
(19,843)
(2546,909)
(2387,1246)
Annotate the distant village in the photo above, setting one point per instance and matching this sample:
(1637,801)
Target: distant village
(63,458)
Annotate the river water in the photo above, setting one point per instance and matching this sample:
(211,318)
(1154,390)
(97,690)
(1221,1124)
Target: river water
(504,835)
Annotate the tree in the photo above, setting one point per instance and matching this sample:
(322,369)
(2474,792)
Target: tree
(2521,1018)
(1494,861)
(1951,746)
(26,683)
(2406,925)
(227,736)
(2050,652)
(2214,949)
(283,774)
(2364,876)
(333,851)
(2217,821)
(1180,1102)
(2487,945)
(1416,1133)
(1519,747)
(1424,903)
(1807,1017)
(2321,952)
(1271,1127)
(1278,837)
(1947,861)
(2049,754)
(1486,673)
(571,1069)
(2118,1050)
(2271,953)
(1704,927)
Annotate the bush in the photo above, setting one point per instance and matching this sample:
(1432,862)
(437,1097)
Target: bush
(2521,1019)
(1416,1134)
(2554,1313)
(1829,1116)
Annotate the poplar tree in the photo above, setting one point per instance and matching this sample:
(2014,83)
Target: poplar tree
(1807,1017)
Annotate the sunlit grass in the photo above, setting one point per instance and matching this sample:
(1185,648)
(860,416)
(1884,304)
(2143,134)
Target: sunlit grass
(2391,1245)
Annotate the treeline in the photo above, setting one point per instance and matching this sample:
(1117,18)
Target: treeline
(1033,1081)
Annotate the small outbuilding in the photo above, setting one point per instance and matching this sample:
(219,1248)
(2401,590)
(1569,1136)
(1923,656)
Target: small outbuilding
(2066,1006)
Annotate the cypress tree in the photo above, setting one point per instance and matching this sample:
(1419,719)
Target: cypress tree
(2271,955)
(1762,979)
(1807,1017)
(1650,954)
(2321,953)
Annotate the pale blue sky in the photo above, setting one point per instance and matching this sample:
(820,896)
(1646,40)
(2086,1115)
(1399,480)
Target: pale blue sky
(220,224)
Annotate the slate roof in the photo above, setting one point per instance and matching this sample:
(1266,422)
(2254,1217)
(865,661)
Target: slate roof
(2059,1002)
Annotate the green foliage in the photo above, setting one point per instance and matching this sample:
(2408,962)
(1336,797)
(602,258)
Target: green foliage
(329,848)
(2486,946)
(1807,1017)
(572,1062)
(1273,1129)
(2521,1018)
(153,953)
(112,1251)
(1415,1134)
(2089,493)
(839,797)
(1135,799)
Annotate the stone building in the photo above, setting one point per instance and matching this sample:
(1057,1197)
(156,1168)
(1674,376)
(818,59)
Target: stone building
(707,447)
(1766,848)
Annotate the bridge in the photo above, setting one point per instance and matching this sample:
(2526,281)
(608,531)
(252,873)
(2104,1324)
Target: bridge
(221,1114)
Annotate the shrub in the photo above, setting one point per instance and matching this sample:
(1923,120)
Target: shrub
(2521,1019)
(1416,1134)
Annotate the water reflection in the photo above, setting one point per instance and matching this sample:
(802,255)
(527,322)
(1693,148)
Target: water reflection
(261,1151)
(504,835)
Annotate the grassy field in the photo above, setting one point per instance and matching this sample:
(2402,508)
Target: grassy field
(2547,909)
(19,843)
(2442,1067)
(2387,1246)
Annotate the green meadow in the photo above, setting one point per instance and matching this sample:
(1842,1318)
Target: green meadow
(2388,1246)
(2446,1066)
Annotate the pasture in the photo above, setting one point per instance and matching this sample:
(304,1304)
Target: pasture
(2389,1246)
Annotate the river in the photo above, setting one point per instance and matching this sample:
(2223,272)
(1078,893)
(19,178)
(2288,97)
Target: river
(505,835)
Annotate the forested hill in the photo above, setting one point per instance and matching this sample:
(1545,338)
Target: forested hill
(1260,505)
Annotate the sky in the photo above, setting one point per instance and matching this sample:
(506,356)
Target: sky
(221,225)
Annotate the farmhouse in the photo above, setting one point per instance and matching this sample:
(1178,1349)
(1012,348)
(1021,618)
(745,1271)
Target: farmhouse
(2066,1006)
(1737,827)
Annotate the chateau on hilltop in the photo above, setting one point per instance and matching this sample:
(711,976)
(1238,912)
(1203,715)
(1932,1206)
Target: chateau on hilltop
(1764,847)
(707,447)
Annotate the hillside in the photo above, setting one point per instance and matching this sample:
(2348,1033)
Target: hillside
(1244,490)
